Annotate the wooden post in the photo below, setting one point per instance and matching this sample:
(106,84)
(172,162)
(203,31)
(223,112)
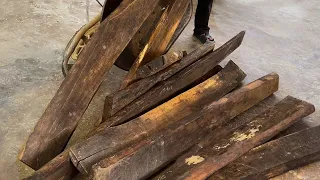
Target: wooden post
(120,99)
(109,141)
(275,157)
(202,164)
(149,155)
(61,117)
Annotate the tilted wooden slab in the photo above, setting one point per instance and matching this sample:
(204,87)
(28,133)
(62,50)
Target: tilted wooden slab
(110,140)
(120,99)
(159,94)
(225,81)
(275,157)
(202,164)
(61,117)
(149,155)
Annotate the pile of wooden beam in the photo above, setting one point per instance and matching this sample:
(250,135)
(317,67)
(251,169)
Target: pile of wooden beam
(187,120)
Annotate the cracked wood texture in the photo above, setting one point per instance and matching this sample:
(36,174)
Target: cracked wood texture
(110,140)
(61,117)
(149,155)
(202,164)
(191,66)
(275,157)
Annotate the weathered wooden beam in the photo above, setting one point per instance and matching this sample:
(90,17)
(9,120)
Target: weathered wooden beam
(149,155)
(119,99)
(188,69)
(61,117)
(275,157)
(225,81)
(202,164)
(163,92)
(105,144)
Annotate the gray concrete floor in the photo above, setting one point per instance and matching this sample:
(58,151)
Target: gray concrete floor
(282,36)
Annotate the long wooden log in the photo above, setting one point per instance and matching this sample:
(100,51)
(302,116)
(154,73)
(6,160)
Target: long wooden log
(154,120)
(120,99)
(225,81)
(61,117)
(149,155)
(208,160)
(275,157)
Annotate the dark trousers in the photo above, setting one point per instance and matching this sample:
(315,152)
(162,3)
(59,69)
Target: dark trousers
(202,16)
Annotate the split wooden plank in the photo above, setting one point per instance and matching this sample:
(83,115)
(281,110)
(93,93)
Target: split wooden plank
(275,157)
(149,155)
(61,117)
(110,140)
(225,81)
(202,164)
(120,99)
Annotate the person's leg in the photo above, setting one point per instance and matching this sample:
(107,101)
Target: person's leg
(202,20)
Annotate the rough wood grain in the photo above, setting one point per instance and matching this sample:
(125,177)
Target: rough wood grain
(275,157)
(149,155)
(202,164)
(120,99)
(61,117)
(155,120)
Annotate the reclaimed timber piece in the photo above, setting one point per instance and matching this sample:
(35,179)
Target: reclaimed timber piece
(119,99)
(225,81)
(105,143)
(149,155)
(210,89)
(61,117)
(190,66)
(165,91)
(221,152)
(275,157)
